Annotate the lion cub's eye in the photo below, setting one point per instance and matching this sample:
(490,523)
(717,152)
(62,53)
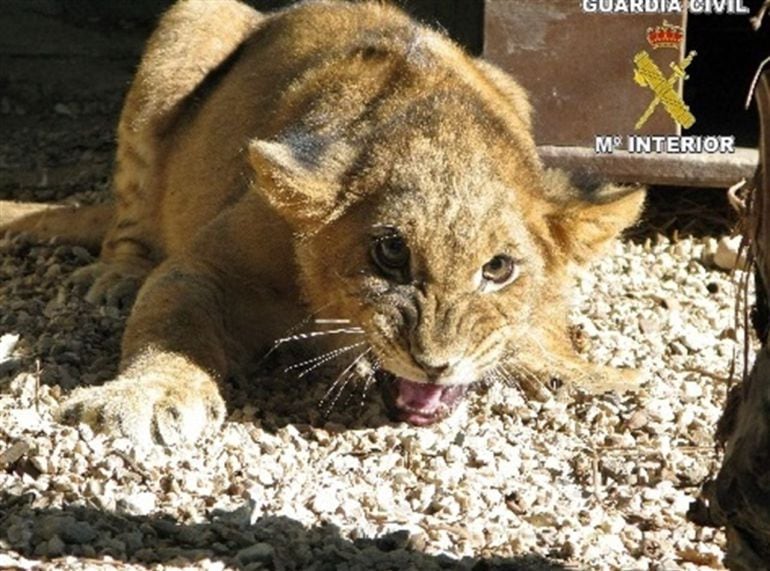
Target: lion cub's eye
(391,254)
(500,270)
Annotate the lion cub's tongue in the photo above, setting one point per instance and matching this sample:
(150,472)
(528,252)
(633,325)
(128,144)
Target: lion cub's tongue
(418,396)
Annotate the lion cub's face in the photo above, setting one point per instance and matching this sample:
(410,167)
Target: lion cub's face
(435,262)
(444,289)
(440,270)
(442,257)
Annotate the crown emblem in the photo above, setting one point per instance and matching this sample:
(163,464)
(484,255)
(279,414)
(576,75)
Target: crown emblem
(665,36)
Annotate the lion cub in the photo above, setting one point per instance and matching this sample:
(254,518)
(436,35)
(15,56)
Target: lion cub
(334,159)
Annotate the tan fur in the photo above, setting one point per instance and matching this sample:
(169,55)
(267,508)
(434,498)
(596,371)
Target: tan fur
(259,156)
(83,226)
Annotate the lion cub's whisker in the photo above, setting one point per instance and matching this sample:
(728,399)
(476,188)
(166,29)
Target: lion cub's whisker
(364,372)
(366,379)
(371,378)
(334,393)
(335,390)
(293,329)
(310,318)
(307,319)
(368,382)
(315,362)
(312,334)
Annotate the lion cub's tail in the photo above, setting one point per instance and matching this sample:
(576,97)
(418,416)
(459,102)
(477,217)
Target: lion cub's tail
(81,225)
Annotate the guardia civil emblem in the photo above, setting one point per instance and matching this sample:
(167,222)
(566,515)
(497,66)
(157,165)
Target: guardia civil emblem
(666,91)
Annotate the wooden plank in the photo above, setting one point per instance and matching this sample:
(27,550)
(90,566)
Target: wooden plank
(703,170)
(577,66)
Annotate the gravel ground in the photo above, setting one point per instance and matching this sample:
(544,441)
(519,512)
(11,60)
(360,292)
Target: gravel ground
(599,483)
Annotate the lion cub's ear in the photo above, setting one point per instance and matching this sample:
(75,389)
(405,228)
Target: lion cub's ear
(300,183)
(584,221)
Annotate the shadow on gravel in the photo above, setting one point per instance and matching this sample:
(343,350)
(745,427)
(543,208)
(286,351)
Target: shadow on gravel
(48,535)
(678,212)
(284,400)
(67,342)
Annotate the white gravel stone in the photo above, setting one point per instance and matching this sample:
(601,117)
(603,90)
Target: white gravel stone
(7,345)
(692,390)
(660,410)
(728,255)
(325,501)
(141,503)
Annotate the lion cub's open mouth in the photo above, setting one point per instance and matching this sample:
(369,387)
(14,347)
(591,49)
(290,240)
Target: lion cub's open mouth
(420,404)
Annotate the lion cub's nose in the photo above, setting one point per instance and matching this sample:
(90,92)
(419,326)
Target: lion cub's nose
(433,372)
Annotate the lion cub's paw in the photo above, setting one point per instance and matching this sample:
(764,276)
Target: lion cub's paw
(598,379)
(571,378)
(148,410)
(110,284)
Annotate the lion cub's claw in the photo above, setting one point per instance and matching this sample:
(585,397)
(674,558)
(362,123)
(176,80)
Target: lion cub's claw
(147,410)
(110,284)
(600,379)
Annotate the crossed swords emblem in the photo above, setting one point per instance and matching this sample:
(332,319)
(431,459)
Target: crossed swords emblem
(648,74)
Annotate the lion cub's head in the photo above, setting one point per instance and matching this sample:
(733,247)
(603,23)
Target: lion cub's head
(431,225)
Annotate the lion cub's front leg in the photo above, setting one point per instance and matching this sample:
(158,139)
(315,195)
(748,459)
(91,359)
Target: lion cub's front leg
(550,363)
(174,350)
